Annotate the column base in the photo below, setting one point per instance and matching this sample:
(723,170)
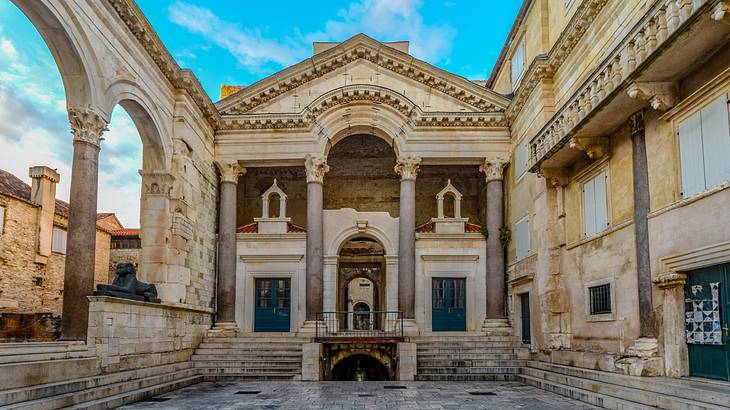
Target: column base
(644,347)
(223,329)
(410,327)
(497,327)
(309,328)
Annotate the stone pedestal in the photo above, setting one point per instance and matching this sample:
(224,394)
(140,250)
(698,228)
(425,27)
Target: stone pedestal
(311,359)
(676,359)
(407,361)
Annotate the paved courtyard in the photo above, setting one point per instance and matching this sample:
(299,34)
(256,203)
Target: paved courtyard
(354,395)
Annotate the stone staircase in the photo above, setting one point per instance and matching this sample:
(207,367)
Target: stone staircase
(616,391)
(467,358)
(249,357)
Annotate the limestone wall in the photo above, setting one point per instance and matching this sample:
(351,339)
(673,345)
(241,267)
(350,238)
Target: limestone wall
(129,334)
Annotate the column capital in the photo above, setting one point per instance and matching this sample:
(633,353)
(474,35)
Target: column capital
(493,168)
(87,126)
(670,280)
(636,122)
(408,167)
(315,167)
(230,171)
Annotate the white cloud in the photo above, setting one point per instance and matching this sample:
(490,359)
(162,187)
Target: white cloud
(384,20)
(8,49)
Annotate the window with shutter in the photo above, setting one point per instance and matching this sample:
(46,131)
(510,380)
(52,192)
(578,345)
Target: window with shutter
(522,238)
(518,63)
(58,242)
(704,146)
(2,220)
(595,205)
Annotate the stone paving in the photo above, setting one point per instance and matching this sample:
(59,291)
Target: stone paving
(354,395)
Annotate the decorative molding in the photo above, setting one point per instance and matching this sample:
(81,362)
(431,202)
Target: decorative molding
(661,95)
(365,48)
(266,197)
(230,171)
(408,167)
(644,42)
(450,258)
(315,167)
(87,126)
(594,147)
(448,189)
(271,258)
(182,79)
(670,280)
(157,182)
(710,255)
(556,177)
(493,168)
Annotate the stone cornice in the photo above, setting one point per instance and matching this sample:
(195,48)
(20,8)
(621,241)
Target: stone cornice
(545,66)
(363,47)
(182,79)
(359,93)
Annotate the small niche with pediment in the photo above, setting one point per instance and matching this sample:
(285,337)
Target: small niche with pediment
(450,221)
(269,223)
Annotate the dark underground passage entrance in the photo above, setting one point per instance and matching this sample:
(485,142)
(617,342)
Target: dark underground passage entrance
(360,361)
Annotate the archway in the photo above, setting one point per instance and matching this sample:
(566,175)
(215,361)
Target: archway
(361,283)
(360,367)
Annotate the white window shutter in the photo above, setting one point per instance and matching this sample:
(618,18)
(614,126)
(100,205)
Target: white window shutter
(716,142)
(589,208)
(691,155)
(58,242)
(601,198)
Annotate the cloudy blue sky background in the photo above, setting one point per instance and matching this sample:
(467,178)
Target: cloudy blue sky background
(223,42)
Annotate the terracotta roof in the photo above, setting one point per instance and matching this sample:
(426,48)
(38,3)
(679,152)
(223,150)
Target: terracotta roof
(428,227)
(13,186)
(126,232)
(254,228)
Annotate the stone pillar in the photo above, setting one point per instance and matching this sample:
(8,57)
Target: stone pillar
(311,364)
(407,168)
(407,361)
(676,361)
(315,167)
(494,170)
(226,288)
(641,224)
(78,282)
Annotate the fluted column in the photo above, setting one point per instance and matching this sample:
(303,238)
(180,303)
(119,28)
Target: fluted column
(494,170)
(226,289)
(315,167)
(407,168)
(87,128)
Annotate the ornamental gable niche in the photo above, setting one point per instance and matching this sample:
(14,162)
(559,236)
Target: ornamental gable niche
(367,62)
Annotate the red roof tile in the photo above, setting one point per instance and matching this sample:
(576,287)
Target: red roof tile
(126,232)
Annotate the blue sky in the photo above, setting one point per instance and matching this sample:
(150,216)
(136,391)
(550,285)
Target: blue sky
(223,42)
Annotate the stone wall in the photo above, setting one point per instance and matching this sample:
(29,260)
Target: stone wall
(129,334)
(122,255)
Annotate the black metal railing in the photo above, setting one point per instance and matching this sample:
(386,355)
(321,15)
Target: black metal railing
(359,324)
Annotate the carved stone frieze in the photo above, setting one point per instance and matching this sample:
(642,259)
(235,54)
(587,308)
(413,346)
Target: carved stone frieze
(315,167)
(157,182)
(493,168)
(594,147)
(670,280)
(408,167)
(87,126)
(230,171)
(660,95)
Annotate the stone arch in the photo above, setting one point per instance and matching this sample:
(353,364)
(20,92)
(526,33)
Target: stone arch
(371,231)
(380,354)
(71,50)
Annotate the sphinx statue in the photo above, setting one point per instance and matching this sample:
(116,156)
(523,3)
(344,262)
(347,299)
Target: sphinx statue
(125,285)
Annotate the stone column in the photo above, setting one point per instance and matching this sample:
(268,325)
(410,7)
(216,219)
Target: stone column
(226,289)
(494,170)
(315,167)
(641,224)
(676,361)
(78,282)
(407,168)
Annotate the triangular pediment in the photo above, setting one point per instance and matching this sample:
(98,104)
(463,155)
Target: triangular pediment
(364,61)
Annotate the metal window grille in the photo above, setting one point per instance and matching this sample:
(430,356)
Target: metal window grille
(600,299)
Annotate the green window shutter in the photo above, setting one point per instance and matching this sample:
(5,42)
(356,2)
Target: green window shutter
(691,155)
(601,201)
(716,142)
(589,208)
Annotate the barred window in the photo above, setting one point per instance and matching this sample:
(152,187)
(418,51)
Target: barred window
(600,298)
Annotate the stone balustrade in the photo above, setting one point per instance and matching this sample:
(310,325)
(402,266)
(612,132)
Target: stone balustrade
(642,43)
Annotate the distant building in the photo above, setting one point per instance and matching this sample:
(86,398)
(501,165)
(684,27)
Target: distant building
(125,247)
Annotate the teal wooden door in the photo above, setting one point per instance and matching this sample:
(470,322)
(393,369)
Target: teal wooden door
(525,316)
(448,301)
(273,305)
(707,308)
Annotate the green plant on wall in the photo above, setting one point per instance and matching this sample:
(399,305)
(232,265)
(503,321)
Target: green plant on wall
(505,235)
(484,231)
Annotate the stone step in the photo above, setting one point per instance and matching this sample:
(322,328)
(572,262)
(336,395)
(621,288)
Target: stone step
(586,396)
(261,340)
(652,391)
(257,345)
(41,391)
(241,357)
(425,364)
(251,369)
(254,361)
(30,373)
(259,353)
(446,349)
(469,370)
(466,345)
(502,377)
(223,374)
(106,391)
(138,395)
(470,356)
(463,339)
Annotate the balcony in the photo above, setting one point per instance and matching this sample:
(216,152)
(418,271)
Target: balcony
(669,41)
(359,326)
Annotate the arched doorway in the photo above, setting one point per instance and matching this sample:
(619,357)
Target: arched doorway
(361,283)
(360,367)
